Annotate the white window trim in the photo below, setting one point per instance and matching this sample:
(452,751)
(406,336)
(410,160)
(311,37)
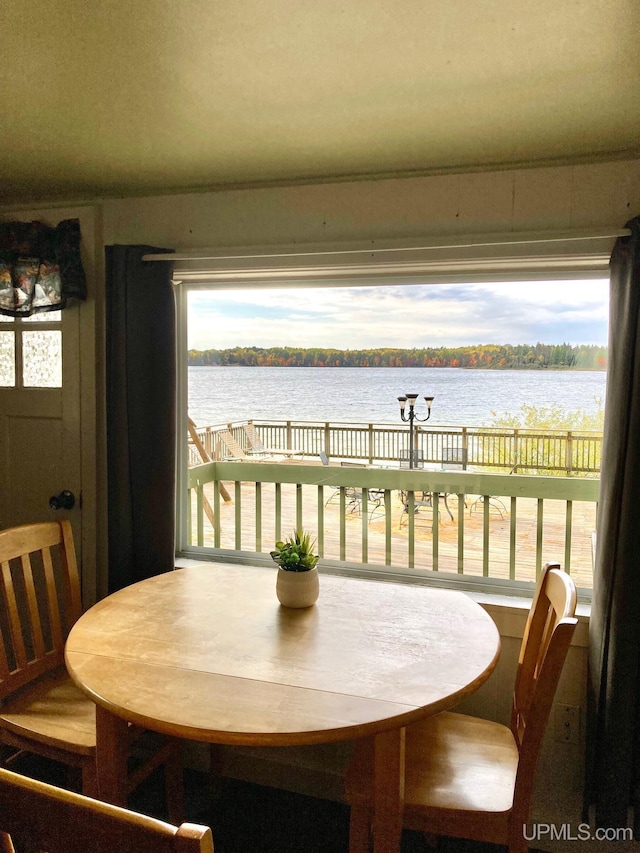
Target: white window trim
(512,257)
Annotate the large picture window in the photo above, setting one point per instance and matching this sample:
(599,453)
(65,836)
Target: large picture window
(294,421)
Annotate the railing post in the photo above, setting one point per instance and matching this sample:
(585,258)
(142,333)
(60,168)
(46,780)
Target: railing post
(370,457)
(568,459)
(465,448)
(327,440)
(288,435)
(516,449)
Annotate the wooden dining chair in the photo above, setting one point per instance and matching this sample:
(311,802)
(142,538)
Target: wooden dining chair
(37,816)
(468,777)
(41,709)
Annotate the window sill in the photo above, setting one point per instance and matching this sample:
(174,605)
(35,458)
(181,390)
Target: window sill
(509,612)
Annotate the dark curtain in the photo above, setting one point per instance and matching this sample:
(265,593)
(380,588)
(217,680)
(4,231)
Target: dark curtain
(40,267)
(613,760)
(141,414)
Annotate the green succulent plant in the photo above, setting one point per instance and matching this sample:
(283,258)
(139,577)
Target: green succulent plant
(295,554)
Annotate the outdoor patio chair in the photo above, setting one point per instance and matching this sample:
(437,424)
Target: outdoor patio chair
(38,816)
(468,777)
(335,489)
(453,457)
(456,457)
(422,504)
(230,447)
(495,504)
(424,500)
(257,448)
(354,494)
(41,709)
(405,458)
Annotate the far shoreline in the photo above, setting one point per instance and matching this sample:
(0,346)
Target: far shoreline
(551,368)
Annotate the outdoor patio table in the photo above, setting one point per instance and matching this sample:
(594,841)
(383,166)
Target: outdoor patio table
(208,654)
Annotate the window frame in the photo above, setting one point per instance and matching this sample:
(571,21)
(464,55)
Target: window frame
(464,260)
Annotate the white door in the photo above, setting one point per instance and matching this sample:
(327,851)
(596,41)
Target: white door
(39,418)
(44,428)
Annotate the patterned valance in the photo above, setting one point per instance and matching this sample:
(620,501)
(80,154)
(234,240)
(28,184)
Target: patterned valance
(40,267)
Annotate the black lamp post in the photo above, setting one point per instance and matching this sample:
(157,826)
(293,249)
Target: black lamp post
(411,417)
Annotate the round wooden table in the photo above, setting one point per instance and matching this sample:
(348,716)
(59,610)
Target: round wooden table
(208,654)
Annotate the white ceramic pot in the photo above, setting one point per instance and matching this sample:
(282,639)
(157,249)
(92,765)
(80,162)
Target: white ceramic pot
(297,589)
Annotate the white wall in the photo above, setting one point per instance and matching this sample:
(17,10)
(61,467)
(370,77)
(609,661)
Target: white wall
(526,199)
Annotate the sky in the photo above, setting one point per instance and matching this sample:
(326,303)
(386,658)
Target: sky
(407,316)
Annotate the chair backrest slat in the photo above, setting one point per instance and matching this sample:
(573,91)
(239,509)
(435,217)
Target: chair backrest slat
(13,617)
(55,622)
(37,816)
(40,601)
(4,656)
(4,660)
(70,578)
(34,627)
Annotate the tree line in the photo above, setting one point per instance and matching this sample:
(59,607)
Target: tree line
(494,356)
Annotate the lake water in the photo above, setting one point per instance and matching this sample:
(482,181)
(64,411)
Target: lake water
(369,395)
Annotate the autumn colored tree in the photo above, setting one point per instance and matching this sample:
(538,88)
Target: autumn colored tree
(490,356)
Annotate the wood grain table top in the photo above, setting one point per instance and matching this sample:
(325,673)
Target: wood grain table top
(207,653)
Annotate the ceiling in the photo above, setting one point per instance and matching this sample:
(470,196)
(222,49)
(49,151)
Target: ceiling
(130,97)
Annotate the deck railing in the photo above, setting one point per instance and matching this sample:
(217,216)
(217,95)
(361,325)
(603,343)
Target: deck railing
(478,525)
(567,452)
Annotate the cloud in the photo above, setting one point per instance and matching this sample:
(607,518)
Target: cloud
(401,316)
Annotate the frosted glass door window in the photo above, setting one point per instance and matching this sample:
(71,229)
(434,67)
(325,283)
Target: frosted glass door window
(42,359)
(46,317)
(7,359)
(31,351)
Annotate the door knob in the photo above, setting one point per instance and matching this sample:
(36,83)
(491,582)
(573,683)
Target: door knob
(63,500)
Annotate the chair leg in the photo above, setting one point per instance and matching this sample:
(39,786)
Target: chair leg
(215,770)
(8,755)
(174,785)
(498,504)
(446,504)
(90,780)
(360,829)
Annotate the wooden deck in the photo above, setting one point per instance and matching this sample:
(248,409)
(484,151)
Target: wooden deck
(430,553)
